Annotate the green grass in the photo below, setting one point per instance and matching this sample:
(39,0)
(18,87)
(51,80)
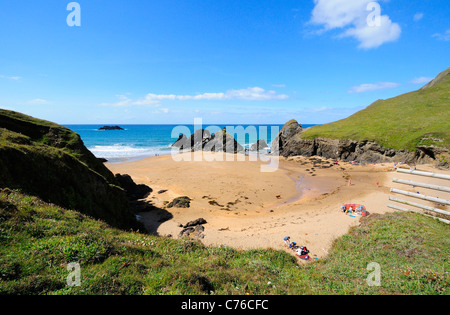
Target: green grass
(38,240)
(50,161)
(403,122)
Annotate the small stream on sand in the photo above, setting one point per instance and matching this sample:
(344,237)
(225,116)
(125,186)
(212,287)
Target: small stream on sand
(306,188)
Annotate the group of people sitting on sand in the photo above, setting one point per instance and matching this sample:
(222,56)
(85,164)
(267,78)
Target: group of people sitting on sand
(301,251)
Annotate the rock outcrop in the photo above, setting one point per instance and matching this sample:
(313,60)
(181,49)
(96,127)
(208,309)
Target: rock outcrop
(180,202)
(259,145)
(202,139)
(132,190)
(111,128)
(289,131)
(222,141)
(193,229)
(291,144)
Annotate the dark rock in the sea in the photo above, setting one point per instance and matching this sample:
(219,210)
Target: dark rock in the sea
(132,190)
(111,128)
(259,145)
(180,202)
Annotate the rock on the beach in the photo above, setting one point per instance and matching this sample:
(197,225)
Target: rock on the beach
(199,221)
(180,202)
(222,141)
(182,143)
(132,190)
(290,129)
(259,145)
(193,227)
(202,139)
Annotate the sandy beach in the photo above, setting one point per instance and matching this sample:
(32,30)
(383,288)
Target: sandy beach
(246,208)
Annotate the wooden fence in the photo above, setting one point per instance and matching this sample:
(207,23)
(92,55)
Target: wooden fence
(432,211)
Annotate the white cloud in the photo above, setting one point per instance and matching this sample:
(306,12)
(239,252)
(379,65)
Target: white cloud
(418,16)
(38,101)
(421,80)
(249,94)
(160,111)
(122,102)
(14,78)
(373,87)
(357,18)
(444,37)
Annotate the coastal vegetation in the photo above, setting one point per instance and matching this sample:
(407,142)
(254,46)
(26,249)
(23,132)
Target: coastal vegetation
(60,205)
(405,122)
(38,240)
(50,161)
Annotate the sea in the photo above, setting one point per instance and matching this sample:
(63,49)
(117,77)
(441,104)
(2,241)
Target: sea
(140,141)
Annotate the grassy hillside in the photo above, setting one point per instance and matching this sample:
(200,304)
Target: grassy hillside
(50,161)
(417,118)
(52,135)
(38,240)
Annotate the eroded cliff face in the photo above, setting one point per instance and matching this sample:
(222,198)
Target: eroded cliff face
(291,144)
(51,162)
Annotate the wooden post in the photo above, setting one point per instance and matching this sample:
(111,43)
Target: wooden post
(420,173)
(429,186)
(420,196)
(418,205)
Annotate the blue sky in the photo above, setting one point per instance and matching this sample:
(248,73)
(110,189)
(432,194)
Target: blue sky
(225,61)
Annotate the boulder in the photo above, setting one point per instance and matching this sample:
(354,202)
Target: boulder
(290,129)
(180,202)
(199,221)
(222,141)
(182,143)
(202,139)
(259,145)
(132,190)
(193,228)
(199,139)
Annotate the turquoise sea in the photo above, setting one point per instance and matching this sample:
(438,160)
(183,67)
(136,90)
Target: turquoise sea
(140,141)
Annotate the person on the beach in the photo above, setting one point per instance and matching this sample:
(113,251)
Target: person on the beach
(287,241)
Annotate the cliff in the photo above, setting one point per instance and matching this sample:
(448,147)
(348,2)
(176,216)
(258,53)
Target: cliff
(50,161)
